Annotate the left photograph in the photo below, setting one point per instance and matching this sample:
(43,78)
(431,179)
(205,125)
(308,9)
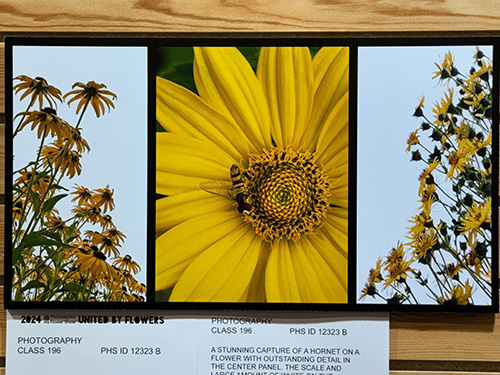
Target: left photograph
(79,174)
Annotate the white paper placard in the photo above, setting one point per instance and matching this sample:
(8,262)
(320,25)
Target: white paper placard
(254,343)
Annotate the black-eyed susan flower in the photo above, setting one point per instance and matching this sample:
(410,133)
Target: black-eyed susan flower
(47,122)
(81,194)
(127,263)
(55,223)
(76,141)
(285,128)
(38,182)
(57,156)
(104,198)
(92,93)
(39,90)
(93,263)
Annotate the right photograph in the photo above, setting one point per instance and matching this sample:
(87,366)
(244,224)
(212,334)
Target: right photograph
(424,176)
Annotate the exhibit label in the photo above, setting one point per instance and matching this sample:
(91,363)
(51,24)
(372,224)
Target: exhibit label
(128,342)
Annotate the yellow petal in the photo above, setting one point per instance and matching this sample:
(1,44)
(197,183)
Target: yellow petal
(334,253)
(332,81)
(225,79)
(322,61)
(286,75)
(281,279)
(335,228)
(305,275)
(179,110)
(178,247)
(223,272)
(334,135)
(322,281)
(183,162)
(257,287)
(173,210)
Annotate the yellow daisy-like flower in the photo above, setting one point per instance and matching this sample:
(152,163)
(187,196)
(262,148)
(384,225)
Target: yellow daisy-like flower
(477,218)
(92,93)
(56,156)
(278,140)
(412,140)
(47,122)
(104,198)
(459,295)
(39,90)
(126,263)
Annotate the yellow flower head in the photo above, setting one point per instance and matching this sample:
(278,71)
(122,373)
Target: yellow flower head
(254,168)
(477,218)
(412,140)
(459,295)
(94,263)
(104,198)
(92,93)
(58,157)
(127,263)
(81,194)
(39,90)
(47,122)
(444,71)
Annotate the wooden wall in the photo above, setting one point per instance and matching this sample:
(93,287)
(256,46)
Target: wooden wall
(419,343)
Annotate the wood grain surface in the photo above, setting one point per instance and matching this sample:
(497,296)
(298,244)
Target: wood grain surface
(444,344)
(152,16)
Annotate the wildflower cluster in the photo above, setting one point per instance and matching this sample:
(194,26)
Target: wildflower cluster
(77,258)
(448,248)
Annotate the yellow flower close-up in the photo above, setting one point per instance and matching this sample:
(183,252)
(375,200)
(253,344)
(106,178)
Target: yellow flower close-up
(275,142)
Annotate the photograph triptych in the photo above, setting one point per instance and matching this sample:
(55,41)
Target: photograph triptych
(270,174)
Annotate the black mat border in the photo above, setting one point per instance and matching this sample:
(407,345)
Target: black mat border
(253,39)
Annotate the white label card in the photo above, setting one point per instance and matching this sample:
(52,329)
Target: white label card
(253,343)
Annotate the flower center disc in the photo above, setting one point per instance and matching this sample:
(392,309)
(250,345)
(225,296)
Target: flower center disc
(288,193)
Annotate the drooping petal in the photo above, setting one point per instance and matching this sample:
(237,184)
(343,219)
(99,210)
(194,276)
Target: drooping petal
(223,272)
(286,75)
(177,248)
(332,82)
(302,275)
(171,211)
(182,162)
(179,110)
(225,79)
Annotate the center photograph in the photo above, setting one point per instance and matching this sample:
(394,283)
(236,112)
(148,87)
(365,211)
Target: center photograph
(252,174)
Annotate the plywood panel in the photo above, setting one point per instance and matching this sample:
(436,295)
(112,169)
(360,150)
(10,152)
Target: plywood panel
(239,16)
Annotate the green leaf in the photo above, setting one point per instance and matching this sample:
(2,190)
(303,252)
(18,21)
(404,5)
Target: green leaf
(176,65)
(74,288)
(35,200)
(48,205)
(39,238)
(33,284)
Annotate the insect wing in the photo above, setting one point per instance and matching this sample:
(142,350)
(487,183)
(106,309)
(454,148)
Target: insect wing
(221,189)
